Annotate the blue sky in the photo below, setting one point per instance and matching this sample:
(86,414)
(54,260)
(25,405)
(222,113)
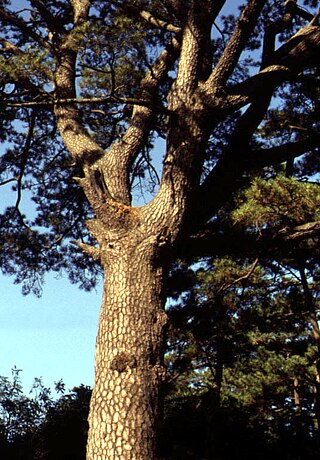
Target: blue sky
(52,337)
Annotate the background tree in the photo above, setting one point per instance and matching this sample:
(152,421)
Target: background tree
(243,344)
(39,425)
(64,430)
(68,112)
(21,416)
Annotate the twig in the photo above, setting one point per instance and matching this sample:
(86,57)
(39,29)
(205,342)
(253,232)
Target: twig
(241,278)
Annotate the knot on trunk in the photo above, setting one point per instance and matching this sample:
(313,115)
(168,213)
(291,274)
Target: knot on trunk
(122,362)
(164,238)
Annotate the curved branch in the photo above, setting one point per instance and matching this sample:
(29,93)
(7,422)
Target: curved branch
(116,165)
(245,276)
(24,158)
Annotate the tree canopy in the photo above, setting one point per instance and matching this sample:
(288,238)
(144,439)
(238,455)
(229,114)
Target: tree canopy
(115,48)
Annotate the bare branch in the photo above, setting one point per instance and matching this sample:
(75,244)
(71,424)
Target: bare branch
(149,17)
(247,275)
(24,157)
(7,181)
(21,25)
(91,251)
(90,101)
(236,44)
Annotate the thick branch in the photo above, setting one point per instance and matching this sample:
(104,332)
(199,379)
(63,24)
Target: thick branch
(80,11)
(236,44)
(149,17)
(276,155)
(80,145)
(215,8)
(194,55)
(212,242)
(300,52)
(302,49)
(273,29)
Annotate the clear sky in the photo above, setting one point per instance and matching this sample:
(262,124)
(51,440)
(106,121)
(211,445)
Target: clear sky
(52,337)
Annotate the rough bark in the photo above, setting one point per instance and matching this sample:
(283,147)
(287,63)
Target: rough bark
(129,352)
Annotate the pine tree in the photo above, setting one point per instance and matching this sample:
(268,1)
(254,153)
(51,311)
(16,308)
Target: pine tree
(86,88)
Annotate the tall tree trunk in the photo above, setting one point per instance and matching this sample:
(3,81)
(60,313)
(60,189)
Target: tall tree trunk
(129,354)
(298,407)
(315,331)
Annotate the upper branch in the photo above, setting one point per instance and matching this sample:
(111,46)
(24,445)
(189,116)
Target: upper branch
(236,44)
(273,28)
(84,150)
(300,52)
(51,21)
(112,168)
(77,140)
(23,27)
(149,17)
(80,11)
(215,8)
(195,53)
(116,165)
(254,114)
(228,173)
